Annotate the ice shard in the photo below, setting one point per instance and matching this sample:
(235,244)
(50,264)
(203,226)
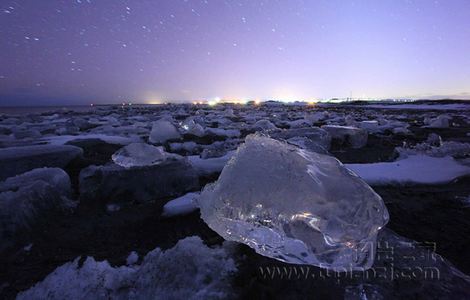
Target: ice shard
(296,206)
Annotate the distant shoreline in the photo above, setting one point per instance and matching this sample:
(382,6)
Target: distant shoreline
(25,109)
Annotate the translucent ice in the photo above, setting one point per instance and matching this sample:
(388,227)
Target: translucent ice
(141,154)
(162,131)
(189,126)
(314,135)
(295,206)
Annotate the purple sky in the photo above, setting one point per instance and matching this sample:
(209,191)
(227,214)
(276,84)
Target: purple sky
(109,51)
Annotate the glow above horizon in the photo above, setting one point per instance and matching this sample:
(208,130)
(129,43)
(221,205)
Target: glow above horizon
(109,51)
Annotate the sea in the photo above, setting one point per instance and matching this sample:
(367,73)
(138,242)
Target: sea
(25,110)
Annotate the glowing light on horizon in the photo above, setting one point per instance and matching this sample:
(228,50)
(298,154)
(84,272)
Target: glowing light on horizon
(214,101)
(154,102)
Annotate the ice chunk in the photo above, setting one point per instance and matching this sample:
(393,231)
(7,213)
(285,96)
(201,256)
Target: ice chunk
(264,125)
(141,154)
(285,203)
(315,135)
(370,126)
(181,206)
(307,144)
(55,177)
(81,123)
(441,121)
(163,131)
(356,137)
(189,270)
(219,148)
(17,160)
(189,126)
(29,198)
(100,185)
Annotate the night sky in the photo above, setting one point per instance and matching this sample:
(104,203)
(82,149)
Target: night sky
(110,51)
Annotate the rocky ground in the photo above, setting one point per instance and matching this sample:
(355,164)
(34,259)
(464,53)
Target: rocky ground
(108,229)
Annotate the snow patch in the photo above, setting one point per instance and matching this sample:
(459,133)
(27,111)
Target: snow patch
(417,169)
(189,270)
(181,206)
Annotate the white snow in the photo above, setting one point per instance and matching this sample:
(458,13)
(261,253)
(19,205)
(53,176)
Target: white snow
(442,149)
(419,106)
(416,169)
(189,270)
(181,206)
(210,165)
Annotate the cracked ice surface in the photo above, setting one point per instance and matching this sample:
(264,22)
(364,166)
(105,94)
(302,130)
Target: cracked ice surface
(295,206)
